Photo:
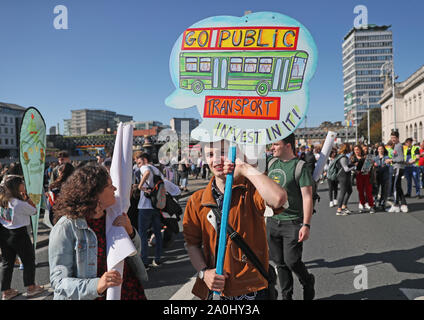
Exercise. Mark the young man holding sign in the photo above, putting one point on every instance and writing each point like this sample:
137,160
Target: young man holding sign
251,190
288,231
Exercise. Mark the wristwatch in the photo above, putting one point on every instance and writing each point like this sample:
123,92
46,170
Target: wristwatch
306,225
201,273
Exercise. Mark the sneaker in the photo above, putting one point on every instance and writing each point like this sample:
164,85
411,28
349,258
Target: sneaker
309,289
156,263
335,202
9,294
393,209
404,208
36,290
331,204
343,212
361,208
367,206
346,211
372,210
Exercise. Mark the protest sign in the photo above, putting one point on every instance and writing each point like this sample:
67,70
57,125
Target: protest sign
248,76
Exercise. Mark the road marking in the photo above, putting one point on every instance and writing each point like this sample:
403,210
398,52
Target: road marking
184,293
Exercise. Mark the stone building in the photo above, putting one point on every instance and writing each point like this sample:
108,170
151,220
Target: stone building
408,108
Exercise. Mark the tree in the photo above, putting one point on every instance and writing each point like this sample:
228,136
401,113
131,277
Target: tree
375,126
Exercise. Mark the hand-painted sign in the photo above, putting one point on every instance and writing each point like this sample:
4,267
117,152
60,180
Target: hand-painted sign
33,156
244,74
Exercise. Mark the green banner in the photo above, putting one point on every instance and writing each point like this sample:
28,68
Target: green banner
32,151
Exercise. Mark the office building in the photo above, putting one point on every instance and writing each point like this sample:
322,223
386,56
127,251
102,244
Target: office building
86,121
146,125
67,127
365,50
10,126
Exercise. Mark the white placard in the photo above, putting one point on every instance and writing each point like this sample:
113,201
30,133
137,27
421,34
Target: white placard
119,244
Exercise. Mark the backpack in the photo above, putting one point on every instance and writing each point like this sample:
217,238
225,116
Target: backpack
173,207
157,193
333,170
297,173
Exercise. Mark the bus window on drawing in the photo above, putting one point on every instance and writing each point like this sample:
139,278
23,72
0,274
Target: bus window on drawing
236,64
205,64
298,67
250,64
265,65
191,64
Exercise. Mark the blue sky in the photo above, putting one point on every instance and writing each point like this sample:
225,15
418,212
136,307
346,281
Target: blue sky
115,54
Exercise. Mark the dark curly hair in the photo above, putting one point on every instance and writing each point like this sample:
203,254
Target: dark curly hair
79,194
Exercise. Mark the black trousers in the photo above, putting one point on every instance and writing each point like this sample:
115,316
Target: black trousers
383,183
286,252
332,189
345,183
397,187
16,242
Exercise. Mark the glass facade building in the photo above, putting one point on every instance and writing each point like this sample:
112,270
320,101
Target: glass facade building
365,50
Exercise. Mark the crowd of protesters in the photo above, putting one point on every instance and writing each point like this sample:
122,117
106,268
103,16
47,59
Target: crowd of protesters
376,170
77,194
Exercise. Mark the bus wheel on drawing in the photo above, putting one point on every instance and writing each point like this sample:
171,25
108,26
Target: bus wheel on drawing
262,88
197,86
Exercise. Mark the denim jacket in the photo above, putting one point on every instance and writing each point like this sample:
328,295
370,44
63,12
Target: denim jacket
382,166
73,260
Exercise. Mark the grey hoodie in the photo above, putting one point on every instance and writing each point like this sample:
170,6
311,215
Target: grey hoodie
398,158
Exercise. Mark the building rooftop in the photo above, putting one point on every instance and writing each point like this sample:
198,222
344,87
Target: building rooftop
12,106
369,27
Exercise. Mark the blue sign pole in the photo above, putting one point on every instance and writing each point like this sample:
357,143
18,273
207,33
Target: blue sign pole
222,242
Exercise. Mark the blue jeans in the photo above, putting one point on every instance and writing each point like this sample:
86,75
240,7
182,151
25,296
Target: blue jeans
422,176
147,218
184,182
412,172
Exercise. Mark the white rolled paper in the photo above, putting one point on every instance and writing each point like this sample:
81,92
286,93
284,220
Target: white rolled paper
325,153
118,243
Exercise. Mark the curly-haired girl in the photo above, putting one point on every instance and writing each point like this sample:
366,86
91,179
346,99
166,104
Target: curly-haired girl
77,246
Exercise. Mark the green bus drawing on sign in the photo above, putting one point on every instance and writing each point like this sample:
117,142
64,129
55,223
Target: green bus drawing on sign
260,71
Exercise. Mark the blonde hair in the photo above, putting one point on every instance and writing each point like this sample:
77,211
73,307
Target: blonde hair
345,148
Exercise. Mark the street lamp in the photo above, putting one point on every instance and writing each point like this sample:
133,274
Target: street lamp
388,66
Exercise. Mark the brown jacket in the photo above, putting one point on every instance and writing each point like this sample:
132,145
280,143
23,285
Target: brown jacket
246,217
